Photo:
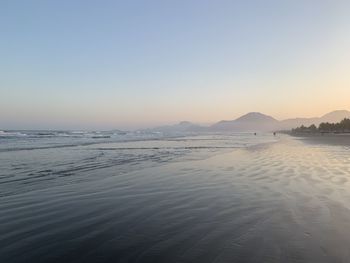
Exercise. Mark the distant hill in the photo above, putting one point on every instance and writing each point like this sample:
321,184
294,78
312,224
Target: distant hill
332,117
255,117
253,121
335,116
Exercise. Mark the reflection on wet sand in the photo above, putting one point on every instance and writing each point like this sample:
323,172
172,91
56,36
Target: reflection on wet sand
278,202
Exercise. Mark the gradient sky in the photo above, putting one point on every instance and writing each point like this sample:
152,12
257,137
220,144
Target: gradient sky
129,64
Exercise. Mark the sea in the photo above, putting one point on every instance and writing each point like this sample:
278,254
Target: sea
111,196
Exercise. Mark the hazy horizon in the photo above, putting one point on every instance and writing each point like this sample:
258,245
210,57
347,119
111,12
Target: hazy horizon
135,128
129,65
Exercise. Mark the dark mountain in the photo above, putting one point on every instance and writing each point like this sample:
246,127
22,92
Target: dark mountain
255,117
335,116
332,117
253,121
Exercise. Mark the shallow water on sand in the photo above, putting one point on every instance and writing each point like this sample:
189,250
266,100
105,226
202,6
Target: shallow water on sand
286,201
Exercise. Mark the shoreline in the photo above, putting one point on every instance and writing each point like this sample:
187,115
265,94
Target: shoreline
338,139
272,199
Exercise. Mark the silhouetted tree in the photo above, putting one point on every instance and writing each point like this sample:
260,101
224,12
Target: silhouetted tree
343,126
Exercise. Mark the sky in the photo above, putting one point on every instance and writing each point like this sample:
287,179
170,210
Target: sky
73,64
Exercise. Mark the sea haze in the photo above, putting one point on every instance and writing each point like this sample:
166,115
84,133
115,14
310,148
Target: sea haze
254,121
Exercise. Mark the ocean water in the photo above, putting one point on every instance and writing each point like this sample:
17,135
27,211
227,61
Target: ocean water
31,160
98,197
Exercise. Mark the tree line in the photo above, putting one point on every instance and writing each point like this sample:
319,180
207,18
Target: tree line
343,126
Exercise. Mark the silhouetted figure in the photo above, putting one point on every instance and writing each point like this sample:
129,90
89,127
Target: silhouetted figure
255,133
274,134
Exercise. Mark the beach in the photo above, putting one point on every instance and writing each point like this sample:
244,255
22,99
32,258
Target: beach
281,200
340,139
175,132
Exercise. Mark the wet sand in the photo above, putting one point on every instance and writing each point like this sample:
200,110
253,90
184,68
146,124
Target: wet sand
279,202
330,139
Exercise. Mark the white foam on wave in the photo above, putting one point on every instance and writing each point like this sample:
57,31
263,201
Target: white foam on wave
11,134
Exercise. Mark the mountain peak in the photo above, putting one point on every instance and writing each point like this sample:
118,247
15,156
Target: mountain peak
252,121
336,114
255,121
256,117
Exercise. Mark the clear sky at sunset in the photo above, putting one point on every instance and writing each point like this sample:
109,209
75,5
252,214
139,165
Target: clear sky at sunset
129,64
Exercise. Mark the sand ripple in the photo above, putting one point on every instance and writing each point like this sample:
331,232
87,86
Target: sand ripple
282,202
